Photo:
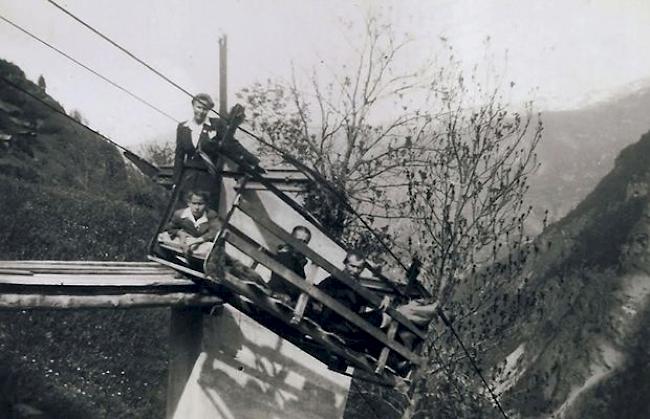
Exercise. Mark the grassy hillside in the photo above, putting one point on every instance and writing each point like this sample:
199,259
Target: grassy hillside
66,194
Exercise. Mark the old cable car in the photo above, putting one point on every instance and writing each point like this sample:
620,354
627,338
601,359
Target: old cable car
255,211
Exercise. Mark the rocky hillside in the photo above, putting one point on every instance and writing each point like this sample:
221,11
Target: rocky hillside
571,326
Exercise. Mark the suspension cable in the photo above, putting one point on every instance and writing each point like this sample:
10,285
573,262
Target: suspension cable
96,73
137,160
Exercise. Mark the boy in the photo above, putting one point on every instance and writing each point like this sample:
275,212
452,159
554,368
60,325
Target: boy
193,228
354,264
293,260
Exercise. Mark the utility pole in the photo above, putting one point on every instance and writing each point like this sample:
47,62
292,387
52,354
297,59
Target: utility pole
223,78
186,324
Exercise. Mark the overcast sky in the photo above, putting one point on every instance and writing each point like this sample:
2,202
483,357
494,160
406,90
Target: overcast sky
567,52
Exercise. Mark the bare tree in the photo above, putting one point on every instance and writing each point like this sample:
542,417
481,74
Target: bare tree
444,175
341,128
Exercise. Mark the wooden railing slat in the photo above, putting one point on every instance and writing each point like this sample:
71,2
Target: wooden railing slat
301,305
278,231
383,357
314,292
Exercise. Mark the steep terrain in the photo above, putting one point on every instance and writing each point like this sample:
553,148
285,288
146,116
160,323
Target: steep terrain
67,194
579,148
570,327
562,330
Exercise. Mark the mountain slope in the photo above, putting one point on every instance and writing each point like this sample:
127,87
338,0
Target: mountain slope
67,194
579,148
576,313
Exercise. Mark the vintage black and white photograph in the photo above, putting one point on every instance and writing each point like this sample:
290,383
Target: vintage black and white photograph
324,209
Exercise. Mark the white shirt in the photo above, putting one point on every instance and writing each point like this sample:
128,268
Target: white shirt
188,214
197,129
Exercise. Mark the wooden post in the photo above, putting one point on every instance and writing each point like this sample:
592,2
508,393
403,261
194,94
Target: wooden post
223,79
185,336
186,324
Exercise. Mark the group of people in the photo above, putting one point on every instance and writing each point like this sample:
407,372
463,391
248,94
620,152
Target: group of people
194,227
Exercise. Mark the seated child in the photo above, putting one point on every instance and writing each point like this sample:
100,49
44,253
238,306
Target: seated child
193,228
293,260
354,264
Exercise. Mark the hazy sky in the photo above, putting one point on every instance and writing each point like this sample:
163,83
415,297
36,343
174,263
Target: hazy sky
567,51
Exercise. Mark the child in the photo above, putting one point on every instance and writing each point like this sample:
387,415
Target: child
193,228
293,260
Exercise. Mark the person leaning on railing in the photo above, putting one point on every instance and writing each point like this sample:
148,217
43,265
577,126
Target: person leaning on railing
292,259
354,263
212,136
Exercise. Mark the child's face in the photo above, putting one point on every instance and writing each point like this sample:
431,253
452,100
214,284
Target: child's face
301,235
354,266
197,205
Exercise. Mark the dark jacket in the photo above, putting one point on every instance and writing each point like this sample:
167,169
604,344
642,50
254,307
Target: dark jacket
208,229
332,322
216,141
292,260
186,154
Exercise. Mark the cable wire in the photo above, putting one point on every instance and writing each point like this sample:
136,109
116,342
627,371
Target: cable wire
472,361
96,73
142,164
301,166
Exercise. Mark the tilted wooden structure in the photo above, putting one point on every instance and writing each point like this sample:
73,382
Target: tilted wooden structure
30,284
255,206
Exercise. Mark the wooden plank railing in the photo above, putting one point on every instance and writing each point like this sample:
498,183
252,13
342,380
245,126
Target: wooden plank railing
314,292
262,220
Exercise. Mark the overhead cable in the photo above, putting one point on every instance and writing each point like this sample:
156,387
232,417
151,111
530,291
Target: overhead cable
96,73
144,166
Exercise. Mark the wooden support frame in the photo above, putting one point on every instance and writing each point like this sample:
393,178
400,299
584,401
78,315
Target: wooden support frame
251,302
321,296
279,232
383,356
301,304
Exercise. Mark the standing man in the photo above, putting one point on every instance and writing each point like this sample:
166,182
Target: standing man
213,137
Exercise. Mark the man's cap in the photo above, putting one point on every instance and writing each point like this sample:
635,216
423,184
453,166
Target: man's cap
205,99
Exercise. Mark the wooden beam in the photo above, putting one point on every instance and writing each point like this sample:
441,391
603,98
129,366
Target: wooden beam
314,292
86,280
279,232
78,263
132,300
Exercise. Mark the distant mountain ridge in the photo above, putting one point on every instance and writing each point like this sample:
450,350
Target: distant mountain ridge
575,326
579,147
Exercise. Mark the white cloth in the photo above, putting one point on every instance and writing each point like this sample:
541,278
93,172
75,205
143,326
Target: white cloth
197,222
196,129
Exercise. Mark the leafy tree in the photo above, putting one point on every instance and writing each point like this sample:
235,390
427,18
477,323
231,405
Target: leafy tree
158,153
77,116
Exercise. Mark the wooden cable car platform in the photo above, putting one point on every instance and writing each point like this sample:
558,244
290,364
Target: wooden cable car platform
260,211
90,284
